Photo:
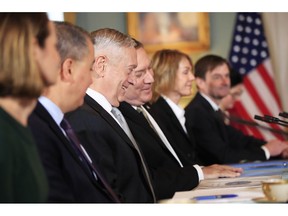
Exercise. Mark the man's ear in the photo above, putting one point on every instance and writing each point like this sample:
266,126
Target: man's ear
99,66
66,69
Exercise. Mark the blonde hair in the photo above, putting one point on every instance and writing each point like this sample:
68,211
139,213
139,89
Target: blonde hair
165,64
19,73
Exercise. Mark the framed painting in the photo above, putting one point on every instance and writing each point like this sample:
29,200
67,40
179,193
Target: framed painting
70,17
186,31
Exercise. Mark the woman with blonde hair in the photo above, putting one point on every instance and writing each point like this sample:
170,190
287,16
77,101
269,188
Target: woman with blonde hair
173,78
28,63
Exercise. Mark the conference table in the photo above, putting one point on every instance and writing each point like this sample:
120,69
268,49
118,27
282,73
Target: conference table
244,189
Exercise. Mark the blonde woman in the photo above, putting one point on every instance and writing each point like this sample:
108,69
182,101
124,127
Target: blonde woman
173,75
28,63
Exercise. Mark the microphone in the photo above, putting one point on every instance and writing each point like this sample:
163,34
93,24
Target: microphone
254,124
271,120
268,120
283,114
275,119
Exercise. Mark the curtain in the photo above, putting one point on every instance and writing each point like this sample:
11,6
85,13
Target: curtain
276,29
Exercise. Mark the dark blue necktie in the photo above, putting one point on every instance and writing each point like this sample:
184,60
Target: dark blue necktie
83,156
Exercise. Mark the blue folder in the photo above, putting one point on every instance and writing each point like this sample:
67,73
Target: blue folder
264,168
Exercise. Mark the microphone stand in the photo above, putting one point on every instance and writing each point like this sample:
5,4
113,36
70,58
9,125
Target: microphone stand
254,124
283,114
272,120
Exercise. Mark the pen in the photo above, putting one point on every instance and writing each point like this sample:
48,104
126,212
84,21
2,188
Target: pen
214,197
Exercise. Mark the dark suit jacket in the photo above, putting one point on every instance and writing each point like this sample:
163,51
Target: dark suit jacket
217,142
113,150
69,180
182,142
167,175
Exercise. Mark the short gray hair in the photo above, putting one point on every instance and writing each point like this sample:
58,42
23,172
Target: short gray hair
106,37
72,41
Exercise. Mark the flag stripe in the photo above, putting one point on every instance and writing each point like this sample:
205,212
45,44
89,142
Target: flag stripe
247,112
269,83
256,97
266,98
260,101
245,115
264,93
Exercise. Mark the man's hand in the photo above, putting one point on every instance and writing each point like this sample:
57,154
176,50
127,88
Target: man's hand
276,147
216,171
285,153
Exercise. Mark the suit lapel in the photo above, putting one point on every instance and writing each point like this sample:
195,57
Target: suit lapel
137,118
99,109
46,117
171,115
214,115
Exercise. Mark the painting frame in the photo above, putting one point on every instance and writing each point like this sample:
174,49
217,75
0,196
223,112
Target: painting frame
200,43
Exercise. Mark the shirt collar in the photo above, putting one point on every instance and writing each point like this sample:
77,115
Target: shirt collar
55,112
99,98
179,111
212,103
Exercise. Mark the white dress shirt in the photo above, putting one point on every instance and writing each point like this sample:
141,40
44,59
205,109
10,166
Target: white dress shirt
178,111
102,101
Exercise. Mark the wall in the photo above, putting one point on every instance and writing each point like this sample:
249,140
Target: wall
93,21
221,27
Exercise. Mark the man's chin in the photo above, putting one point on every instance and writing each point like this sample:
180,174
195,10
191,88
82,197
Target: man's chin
121,97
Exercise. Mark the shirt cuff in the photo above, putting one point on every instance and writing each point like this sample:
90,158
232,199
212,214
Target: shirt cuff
267,153
199,171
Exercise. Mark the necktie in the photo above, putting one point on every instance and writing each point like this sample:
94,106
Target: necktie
220,115
118,115
83,156
153,124
141,110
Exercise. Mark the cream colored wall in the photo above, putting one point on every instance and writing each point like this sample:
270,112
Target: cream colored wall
221,27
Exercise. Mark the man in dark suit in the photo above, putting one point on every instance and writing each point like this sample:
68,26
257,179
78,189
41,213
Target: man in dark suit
217,142
169,173
70,178
115,60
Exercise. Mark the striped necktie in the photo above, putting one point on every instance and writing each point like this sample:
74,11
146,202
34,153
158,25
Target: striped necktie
118,115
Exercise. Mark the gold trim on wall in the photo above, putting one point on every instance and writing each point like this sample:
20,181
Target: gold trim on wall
70,17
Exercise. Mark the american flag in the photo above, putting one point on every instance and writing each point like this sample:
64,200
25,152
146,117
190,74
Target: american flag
249,56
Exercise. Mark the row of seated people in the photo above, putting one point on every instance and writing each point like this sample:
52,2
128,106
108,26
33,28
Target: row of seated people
96,138
137,168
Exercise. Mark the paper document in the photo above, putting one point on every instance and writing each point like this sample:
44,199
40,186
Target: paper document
245,182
